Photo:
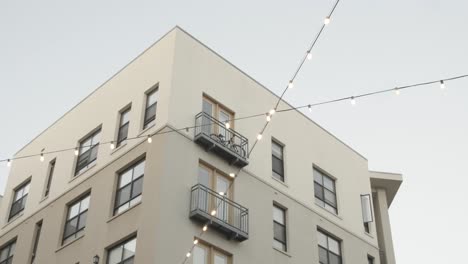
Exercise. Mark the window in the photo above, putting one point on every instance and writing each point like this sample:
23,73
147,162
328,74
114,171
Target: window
123,253
88,151
325,192
150,109
6,253
206,254
370,259
76,219
329,249
277,160
129,187
19,200
37,235
220,183
124,123
50,174
219,112
366,211
279,228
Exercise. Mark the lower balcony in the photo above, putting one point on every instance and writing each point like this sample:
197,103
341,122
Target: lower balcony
231,218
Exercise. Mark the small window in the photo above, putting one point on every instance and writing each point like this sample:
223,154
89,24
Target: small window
124,123
123,253
150,109
207,254
279,228
325,191
129,187
19,200
37,236
367,216
50,174
370,259
329,249
277,160
6,253
88,152
76,219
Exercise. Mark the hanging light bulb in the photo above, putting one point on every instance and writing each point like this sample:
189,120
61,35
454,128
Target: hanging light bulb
9,163
268,118
112,146
259,136
310,108
150,139
442,85
188,254
228,125
309,55
76,152
290,84
232,175
397,91
272,111
213,212
326,21
353,100
205,227
195,241
221,193
42,157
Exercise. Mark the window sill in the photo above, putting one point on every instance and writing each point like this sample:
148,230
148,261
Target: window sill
332,213
369,235
83,172
69,243
128,209
44,198
150,126
13,219
282,252
282,182
122,145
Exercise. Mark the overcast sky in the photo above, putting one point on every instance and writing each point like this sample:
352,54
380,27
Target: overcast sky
54,53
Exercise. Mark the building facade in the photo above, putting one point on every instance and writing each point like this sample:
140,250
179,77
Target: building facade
175,166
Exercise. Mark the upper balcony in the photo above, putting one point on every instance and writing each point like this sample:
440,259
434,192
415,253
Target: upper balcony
228,217
227,143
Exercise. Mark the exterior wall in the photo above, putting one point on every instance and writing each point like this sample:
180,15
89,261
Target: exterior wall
185,70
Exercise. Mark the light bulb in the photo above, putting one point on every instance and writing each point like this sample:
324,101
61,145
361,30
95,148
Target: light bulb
195,241
442,85
9,163
150,139
310,108
213,212
290,84
228,125
112,146
221,193
188,254
42,157
232,175
326,21
397,91
353,101
259,136
76,152
268,118
309,55
205,227
272,112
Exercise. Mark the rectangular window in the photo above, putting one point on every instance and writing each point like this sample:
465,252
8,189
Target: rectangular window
124,123
6,253
88,151
19,200
279,228
50,174
206,254
325,191
367,216
123,253
217,111
277,160
129,187
370,259
329,249
37,236
150,109
76,219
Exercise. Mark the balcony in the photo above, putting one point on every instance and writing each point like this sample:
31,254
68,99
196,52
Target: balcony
227,143
231,218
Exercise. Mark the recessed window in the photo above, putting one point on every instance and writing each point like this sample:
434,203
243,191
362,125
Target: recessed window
329,249
76,219
88,151
325,191
124,123
123,253
367,216
19,200
129,187
50,174
219,113
279,228
207,254
277,160
370,259
150,109
37,236
6,253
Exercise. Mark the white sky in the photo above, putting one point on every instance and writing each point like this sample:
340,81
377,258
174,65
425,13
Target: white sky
52,54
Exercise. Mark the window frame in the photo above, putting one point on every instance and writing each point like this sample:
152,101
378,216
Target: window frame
327,249
93,146
125,111
8,245
149,120
78,231
284,226
280,177
370,259
50,175
131,167
212,250
37,237
122,244
323,189
20,187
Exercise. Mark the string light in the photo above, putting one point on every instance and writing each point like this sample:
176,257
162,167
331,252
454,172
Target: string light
213,212
353,101
76,152
9,163
310,108
397,91
290,84
326,21
259,136
309,55
205,227
112,146
228,125
150,139
42,157
442,85
195,241
232,175
188,254
221,193
272,112
268,118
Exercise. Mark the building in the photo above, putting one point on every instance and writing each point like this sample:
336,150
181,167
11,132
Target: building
300,196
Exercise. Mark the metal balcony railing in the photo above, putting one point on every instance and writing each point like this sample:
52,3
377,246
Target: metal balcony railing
230,218
214,136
